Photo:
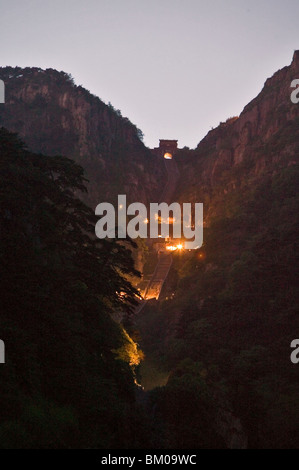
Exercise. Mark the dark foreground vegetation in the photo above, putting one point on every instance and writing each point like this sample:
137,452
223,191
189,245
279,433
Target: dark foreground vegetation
68,379
224,338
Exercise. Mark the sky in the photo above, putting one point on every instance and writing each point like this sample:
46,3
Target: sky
175,68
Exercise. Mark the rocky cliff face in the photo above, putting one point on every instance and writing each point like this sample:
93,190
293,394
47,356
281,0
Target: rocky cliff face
263,139
55,117
235,302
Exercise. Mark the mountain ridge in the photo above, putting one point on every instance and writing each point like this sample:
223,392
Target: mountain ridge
56,117
262,139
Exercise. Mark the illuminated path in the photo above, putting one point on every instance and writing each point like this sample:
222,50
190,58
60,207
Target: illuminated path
155,285
162,269
173,175
151,374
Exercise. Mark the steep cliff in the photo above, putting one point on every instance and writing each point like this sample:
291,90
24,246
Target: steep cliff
225,331
56,117
230,313
262,140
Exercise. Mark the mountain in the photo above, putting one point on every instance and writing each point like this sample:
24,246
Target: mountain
262,140
56,117
219,338
223,333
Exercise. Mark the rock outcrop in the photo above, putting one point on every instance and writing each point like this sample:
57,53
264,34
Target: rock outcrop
56,117
263,139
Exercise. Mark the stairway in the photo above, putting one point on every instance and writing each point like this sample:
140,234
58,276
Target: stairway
155,285
163,266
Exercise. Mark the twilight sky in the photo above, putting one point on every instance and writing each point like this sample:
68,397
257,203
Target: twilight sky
176,68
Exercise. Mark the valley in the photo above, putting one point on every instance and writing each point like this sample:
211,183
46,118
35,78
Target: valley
202,358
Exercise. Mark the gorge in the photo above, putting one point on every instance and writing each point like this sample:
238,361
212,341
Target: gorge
216,333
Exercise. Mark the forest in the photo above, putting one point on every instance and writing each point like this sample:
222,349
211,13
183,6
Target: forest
68,380
223,339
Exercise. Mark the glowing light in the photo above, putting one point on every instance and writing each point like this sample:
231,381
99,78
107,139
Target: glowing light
146,221
121,206
171,248
174,247
168,156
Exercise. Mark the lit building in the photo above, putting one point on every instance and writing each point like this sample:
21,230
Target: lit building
166,149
